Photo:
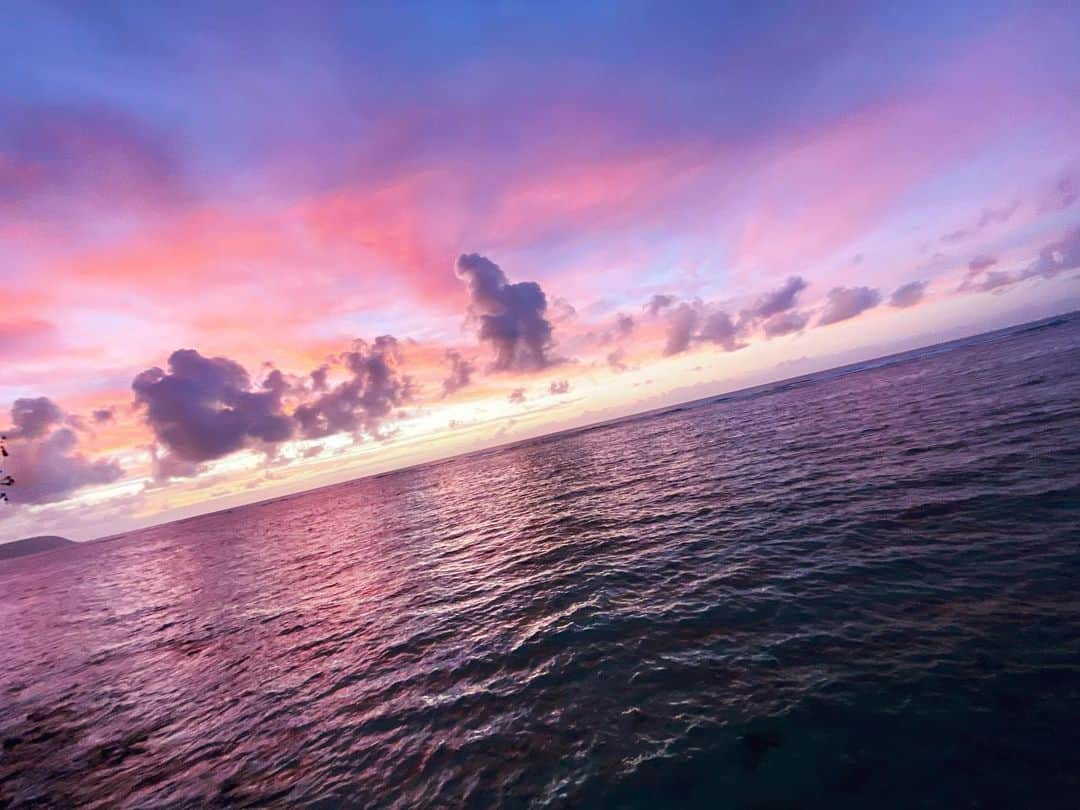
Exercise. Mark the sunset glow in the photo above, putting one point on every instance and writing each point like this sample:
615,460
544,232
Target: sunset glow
255,250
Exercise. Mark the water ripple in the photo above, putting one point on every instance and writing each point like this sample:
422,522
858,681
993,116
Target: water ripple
850,589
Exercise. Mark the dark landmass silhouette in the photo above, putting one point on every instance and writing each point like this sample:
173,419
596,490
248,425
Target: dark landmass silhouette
33,545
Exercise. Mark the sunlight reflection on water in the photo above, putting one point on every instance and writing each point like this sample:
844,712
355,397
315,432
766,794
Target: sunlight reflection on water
856,588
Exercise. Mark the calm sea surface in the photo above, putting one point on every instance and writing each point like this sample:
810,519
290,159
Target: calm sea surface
857,589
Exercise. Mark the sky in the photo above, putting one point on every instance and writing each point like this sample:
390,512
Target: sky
248,249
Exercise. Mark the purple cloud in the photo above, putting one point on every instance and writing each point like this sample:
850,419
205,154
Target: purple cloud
779,300
616,360
33,417
720,329
908,295
44,461
624,326
203,408
511,316
460,372
658,303
784,323
102,415
1057,257
1053,259
694,321
682,321
362,402
846,302
985,282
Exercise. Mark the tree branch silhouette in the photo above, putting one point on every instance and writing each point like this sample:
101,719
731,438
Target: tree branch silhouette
5,480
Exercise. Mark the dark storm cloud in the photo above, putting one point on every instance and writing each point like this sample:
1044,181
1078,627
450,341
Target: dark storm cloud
460,372
33,417
847,302
203,408
511,317
44,461
784,323
517,396
362,402
779,300
559,387
908,295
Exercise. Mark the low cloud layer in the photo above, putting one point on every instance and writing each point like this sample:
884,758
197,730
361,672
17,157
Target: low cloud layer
203,408
460,373
511,317
697,321
784,323
846,302
1060,256
1057,257
33,416
908,295
359,404
45,460
623,326
779,300
616,360
658,303
720,329
690,322
775,310
682,321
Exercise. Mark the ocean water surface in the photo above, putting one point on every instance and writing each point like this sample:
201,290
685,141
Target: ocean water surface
860,588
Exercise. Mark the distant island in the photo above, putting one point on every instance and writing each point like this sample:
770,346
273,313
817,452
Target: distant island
33,545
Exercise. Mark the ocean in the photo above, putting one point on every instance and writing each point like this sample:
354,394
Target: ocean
857,588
